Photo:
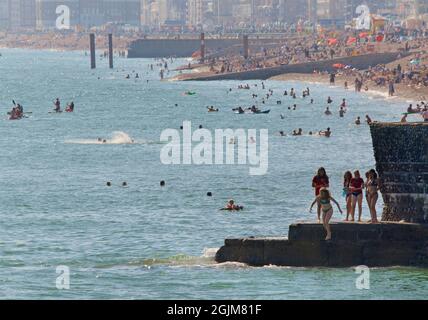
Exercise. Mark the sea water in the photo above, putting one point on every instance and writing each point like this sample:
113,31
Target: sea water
148,242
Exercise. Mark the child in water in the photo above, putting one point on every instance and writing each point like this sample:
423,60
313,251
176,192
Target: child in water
231,206
324,199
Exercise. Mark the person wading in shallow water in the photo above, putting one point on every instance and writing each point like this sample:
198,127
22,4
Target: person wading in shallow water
320,181
324,200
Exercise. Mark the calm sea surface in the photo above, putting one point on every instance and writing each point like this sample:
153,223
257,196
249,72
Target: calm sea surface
148,242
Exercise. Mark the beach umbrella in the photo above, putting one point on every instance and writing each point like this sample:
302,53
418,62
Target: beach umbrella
379,38
332,41
351,40
363,35
339,65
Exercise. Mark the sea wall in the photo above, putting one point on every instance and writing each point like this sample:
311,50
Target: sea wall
157,48
373,245
361,62
183,48
401,153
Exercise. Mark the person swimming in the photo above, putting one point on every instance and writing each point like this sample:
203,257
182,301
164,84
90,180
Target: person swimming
231,206
57,105
326,133
329,100
341,112
327,112
358,121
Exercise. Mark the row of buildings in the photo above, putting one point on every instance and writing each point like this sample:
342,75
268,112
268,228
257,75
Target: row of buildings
197,14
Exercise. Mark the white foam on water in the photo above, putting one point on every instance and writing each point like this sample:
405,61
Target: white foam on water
117,137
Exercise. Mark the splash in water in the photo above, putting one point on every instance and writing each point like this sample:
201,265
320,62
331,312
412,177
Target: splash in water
118,137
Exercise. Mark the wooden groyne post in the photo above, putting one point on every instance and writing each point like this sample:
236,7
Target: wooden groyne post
246,47
202,47
110,50
92,49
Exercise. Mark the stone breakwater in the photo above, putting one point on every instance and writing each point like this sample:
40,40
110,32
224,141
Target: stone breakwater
401,153
361,62
373,245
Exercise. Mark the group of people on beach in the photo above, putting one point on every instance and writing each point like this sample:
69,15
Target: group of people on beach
353,188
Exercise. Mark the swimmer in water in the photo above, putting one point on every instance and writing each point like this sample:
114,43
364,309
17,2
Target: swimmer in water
282,134
326,133
343,105
329,101
298,133
231,206
368,119
342,112
358,121
327,112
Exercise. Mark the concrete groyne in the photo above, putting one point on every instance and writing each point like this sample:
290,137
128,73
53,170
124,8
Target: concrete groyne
373,245
361,62
401,153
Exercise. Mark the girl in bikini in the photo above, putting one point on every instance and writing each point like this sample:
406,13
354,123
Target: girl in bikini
372,194
347,193
357,186
324,201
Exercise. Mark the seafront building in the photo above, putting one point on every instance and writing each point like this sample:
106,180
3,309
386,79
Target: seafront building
196,15
42,14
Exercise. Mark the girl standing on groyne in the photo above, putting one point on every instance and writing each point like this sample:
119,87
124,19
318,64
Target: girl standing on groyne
324,201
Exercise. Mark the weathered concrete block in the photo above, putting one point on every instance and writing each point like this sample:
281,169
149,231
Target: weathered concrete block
385,244
401,153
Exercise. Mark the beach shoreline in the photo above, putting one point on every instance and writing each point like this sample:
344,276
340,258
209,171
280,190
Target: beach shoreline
403,93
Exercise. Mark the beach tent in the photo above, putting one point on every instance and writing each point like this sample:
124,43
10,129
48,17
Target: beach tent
351,40
415,62
332,41
378,22
379,37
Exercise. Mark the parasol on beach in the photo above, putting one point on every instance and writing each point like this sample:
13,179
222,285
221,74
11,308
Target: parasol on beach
363,35
351,40
332,41
339,66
